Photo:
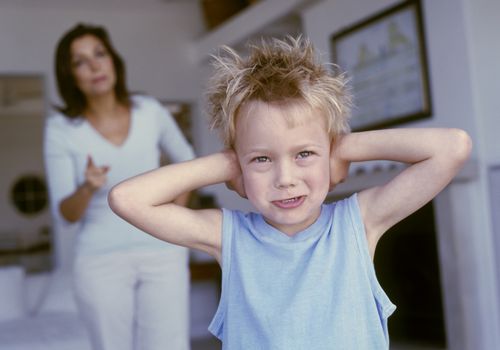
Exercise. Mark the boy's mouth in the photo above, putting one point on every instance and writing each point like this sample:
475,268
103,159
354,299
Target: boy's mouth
289,203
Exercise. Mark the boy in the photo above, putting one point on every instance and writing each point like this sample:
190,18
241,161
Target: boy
297,274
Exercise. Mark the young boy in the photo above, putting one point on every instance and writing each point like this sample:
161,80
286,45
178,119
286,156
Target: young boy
297,274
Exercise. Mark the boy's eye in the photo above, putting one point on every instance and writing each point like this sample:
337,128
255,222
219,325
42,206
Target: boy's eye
304,154
261,159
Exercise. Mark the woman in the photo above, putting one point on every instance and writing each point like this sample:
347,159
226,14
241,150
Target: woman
128,285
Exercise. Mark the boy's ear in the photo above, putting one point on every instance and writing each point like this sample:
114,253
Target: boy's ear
339,168
236,183
333,144
238,186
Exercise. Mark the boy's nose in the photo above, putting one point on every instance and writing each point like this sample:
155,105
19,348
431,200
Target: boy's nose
285,175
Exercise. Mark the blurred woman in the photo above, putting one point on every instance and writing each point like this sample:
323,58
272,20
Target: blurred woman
132,290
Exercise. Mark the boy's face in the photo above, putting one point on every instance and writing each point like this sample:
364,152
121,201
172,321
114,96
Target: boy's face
285,166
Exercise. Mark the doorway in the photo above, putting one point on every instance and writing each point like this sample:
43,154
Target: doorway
407,267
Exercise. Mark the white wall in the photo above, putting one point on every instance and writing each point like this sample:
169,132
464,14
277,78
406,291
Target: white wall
462,76
463,55
482,21
152,41
465,80
154,44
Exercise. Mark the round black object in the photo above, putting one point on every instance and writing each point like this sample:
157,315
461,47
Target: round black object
29,194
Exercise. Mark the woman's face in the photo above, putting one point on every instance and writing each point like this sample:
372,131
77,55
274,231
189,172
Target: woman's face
92,67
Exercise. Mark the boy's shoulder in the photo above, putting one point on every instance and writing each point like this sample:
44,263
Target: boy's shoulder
342,203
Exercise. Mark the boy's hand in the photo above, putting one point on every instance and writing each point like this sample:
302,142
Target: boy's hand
339,168
236,182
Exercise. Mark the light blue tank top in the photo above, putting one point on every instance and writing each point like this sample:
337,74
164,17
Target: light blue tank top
316,290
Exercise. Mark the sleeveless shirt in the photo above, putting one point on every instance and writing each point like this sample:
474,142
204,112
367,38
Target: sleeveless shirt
314,290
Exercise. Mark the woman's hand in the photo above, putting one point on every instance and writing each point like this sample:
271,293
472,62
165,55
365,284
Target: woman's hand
236,182
339,168
95,177
73,207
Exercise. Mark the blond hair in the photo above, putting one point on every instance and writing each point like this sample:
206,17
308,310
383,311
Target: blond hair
277,71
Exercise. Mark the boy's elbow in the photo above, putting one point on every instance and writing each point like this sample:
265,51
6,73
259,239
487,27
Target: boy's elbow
117,199
462,145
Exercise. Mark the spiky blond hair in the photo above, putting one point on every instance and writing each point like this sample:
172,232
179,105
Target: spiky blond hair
276,72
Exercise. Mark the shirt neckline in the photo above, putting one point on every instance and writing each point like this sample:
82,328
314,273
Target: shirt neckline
105,140
269,233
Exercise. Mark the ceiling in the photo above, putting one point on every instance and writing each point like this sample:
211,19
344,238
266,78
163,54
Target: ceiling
86,4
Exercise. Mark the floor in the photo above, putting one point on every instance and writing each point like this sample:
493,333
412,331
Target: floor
214,344
414,347
206,344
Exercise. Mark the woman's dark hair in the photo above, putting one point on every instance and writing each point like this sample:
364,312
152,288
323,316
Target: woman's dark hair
68,90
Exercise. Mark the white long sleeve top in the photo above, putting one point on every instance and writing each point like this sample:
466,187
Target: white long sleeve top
67,143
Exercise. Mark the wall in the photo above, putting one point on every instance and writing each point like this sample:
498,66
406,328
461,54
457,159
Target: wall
464,83
462,97
20,155
481,18
152,40
154,43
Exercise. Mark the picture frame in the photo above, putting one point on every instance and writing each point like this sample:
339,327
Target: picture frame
385,59
494,189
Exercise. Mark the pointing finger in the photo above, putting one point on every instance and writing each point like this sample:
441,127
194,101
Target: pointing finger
90,161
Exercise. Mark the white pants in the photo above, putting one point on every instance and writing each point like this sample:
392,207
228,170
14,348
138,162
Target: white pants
134,300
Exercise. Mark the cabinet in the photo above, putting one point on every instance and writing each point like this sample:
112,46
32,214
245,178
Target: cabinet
264,18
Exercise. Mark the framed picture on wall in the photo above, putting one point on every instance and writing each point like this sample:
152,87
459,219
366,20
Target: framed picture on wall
385,57
494,189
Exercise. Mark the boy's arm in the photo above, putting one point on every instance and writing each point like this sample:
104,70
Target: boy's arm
147,201
435,155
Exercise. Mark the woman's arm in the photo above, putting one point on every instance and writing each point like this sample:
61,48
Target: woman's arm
435,155
74,206
147,201
68,200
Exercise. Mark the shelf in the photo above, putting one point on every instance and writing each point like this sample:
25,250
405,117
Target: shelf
376,173
258,18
